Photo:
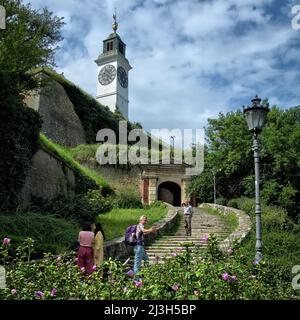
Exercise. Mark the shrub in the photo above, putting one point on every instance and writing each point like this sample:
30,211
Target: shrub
155,204
221,201
98,202
50,233
217,277
233,203
287,199
79,208
127,199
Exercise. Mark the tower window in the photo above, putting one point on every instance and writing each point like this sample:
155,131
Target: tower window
121,48
109,46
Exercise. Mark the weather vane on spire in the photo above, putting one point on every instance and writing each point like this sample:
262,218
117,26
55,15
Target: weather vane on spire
115,24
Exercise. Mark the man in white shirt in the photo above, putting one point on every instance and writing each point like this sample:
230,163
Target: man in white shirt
188,213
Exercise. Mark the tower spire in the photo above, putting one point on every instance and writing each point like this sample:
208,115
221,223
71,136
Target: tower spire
115,24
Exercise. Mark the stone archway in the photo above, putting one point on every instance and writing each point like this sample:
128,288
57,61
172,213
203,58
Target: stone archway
170,192
168,183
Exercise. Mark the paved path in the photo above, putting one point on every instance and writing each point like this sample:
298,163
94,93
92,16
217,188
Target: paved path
202,224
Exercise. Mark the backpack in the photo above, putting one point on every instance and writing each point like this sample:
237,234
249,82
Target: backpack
130,235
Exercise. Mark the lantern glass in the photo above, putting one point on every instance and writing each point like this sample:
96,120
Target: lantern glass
256,118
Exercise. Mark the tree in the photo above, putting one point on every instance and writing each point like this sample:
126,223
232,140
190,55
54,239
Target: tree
28,42
229,151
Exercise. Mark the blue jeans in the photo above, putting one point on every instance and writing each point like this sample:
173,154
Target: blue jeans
139,255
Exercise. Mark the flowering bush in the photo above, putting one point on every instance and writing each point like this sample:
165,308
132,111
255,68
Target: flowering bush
184,275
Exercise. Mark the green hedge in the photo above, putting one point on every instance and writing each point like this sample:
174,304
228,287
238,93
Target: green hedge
51,234
281,237
19,140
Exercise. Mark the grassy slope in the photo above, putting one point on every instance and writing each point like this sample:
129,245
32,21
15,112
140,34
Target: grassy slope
116,221
66,155
281,238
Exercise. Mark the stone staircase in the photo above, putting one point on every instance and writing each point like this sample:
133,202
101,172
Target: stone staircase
203,224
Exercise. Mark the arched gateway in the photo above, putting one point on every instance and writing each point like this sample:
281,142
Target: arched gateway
169,192
168,183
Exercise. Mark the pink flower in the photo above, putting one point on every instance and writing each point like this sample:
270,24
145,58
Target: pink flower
82,269
94,267
53,292
229,251
205,237
58,258
232,278
130,273
6,241
175,287
225,276
138,283
39,294
76,259
13,291
173,254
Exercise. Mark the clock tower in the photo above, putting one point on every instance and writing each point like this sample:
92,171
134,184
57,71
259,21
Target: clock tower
113,68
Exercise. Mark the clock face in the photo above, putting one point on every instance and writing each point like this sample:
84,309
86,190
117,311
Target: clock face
122,77
107,74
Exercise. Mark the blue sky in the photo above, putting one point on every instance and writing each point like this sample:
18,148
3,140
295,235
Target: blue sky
191,59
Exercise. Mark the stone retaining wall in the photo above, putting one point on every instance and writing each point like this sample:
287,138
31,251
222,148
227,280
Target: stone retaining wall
47,177
243,228
119,250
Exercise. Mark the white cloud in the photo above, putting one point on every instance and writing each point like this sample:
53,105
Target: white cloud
191,59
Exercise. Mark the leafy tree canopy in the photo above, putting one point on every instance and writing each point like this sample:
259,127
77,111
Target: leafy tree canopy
230,157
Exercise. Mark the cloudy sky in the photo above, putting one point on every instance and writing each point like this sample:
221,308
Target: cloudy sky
191,59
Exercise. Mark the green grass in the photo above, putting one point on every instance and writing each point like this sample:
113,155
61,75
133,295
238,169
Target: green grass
84,152
67,155
230,220
115,222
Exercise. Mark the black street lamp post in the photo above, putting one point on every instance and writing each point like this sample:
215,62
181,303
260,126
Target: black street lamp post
256,117
215,193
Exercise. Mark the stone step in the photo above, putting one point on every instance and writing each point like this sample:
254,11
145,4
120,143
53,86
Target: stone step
172,247
202,224
205,229
176,242
153,252
186,238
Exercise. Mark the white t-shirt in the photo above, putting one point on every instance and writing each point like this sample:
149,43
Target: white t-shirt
140,228
188,210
